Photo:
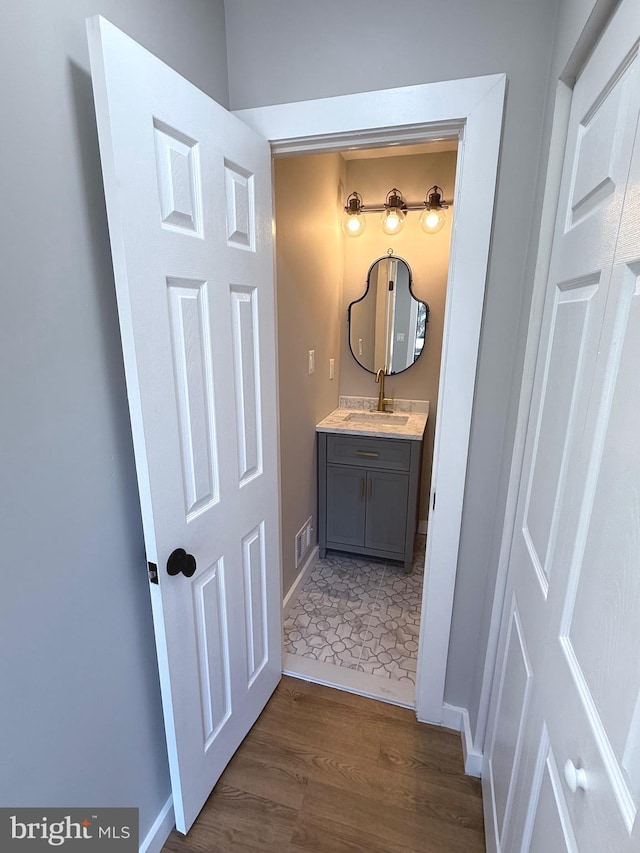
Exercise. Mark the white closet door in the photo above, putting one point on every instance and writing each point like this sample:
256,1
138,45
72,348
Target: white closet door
528,805
590,686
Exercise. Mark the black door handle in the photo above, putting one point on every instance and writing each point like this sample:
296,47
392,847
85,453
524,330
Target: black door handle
180,561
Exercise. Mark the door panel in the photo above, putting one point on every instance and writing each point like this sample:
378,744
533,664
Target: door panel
601,162
571,326
246,369
191,348
593,653
241,207
209,604
548,825
607,581
256,603
513,705
179,180
188,190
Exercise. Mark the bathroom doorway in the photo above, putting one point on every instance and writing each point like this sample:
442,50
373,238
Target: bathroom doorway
349,620
471,111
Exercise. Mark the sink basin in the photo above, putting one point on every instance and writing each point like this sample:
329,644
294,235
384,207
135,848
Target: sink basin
378,418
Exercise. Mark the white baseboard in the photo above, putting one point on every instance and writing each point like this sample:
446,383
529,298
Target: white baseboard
299,582
458,719
452,717
422,527
154,840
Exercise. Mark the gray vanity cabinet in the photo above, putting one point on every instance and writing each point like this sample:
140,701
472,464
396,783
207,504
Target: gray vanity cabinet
368,495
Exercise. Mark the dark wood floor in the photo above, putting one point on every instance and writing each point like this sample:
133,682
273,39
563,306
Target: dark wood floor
329,772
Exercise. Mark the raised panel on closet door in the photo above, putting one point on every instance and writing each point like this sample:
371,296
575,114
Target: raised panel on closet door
513,709
547,825
593,660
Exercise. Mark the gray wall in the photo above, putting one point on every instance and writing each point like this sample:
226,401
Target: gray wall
80,711
286,50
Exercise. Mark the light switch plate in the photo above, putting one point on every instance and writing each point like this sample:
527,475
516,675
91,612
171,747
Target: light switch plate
312,361
332,368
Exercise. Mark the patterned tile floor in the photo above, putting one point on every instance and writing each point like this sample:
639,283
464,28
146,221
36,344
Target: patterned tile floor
360,613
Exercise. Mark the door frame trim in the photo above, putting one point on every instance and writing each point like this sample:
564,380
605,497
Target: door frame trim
472,110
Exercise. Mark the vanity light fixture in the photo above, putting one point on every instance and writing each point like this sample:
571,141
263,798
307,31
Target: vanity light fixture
433,217
394,212
353,221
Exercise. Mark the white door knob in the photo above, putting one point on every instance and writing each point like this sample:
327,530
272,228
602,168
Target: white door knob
575,777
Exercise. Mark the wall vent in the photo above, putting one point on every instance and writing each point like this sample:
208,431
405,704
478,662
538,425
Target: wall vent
303,541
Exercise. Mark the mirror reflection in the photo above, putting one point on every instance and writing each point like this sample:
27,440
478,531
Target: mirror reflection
387,325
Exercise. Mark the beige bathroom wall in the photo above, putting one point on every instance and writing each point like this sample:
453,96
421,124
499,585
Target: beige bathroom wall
428,258
309,260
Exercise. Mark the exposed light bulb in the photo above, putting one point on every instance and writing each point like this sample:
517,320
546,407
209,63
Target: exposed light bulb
393,216
354,224
392,221
353,221
433,217
432,220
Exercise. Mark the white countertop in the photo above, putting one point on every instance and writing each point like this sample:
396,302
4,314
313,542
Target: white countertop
346,421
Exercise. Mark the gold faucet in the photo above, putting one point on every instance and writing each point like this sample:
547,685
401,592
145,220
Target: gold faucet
382,400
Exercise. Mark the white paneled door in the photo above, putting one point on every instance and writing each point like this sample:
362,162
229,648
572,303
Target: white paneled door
563,768
188,189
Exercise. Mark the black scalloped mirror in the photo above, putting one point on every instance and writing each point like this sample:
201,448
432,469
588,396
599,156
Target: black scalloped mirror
388,325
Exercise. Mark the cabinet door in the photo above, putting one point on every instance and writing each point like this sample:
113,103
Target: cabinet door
386,524
346,489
